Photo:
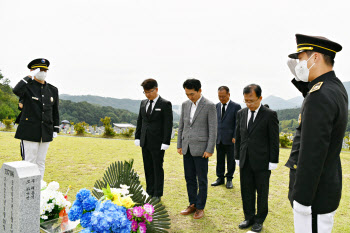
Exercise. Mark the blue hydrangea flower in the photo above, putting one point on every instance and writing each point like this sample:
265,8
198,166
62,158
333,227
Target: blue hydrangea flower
90,203
83,194
85,220
75,212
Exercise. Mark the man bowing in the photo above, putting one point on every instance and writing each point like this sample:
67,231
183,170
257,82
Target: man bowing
256,153
153,134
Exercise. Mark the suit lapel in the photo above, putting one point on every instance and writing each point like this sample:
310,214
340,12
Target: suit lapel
218,110
199,108
143,108
258,118
245,119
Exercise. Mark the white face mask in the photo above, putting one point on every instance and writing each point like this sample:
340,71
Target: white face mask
41,75
302,71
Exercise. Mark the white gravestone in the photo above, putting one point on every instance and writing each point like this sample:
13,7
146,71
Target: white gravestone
19,197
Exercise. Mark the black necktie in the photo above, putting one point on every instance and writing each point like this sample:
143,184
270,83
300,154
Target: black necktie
223,110
251,120
149,110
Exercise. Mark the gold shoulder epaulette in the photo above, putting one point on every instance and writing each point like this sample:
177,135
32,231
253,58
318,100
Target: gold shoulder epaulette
316,87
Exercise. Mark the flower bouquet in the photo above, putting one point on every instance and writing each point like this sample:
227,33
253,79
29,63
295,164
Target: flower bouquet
119,204
52,202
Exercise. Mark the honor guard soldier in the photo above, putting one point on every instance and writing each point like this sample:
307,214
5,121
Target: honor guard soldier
39,121
315,169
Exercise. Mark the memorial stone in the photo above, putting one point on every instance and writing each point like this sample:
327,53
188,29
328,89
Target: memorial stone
19,197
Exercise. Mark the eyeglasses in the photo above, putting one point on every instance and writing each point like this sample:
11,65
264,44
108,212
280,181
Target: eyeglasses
250,102
149,92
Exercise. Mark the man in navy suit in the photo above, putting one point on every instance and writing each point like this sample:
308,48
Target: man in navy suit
226,115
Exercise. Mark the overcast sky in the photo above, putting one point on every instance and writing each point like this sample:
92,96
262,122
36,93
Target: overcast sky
108,48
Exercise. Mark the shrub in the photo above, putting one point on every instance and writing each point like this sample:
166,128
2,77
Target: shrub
128,132
80,128
285,141
109,132
8,123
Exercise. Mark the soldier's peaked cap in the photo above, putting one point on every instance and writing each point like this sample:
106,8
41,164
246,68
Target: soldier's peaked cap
317,44
39,63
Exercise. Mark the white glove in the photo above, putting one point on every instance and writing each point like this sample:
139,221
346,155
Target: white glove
292,63
301,209
34,72
272,166
137,142
54,134
164,147
237,163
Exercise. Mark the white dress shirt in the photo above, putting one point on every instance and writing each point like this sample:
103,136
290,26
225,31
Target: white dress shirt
153,104
194,108
250,114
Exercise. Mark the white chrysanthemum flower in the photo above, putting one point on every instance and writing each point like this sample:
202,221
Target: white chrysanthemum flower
43,184
44,217
54,186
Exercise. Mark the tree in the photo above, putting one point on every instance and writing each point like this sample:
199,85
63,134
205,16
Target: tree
8,100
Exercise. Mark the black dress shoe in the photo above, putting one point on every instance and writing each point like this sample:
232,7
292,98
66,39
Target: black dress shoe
245,224
257,227
219,181
229,184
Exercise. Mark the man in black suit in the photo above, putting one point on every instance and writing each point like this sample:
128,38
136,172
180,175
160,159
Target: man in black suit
153,134
226,114
315,178
256,153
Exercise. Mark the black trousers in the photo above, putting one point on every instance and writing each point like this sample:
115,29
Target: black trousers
225,151
154,172
252,182
196,176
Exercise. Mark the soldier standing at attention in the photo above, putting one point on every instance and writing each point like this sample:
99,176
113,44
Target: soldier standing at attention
39,121
315,169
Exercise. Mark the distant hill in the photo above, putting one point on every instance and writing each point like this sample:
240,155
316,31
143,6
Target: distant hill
277,103
127,104
91,114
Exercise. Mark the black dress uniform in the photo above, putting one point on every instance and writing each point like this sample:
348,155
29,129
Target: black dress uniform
317,145
315,166
40,116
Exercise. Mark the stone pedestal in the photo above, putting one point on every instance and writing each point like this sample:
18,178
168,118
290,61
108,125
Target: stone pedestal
19,197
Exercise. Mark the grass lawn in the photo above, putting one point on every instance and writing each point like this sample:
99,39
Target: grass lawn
81,161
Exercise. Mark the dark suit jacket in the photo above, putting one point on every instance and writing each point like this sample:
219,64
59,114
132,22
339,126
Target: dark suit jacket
227,123
261,143
155,130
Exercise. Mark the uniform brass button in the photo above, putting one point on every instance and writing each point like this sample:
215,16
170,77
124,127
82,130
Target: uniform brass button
26,119
295,166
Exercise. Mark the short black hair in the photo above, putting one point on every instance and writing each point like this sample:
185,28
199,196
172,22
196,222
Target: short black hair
252,87
192,84
149,84
224,88
327,59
